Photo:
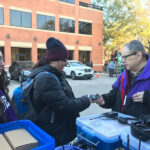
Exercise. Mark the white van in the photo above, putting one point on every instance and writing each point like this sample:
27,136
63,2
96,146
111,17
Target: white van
76,69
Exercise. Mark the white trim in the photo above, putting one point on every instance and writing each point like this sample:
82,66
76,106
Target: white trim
39,30
20,9
84,35
2,6
98,64
66,17
21,44
41,45
66,3
2,43
85,48
84,20
70,47
66,33
43,13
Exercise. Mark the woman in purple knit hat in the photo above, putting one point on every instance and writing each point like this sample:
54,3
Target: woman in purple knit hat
53,98
6,112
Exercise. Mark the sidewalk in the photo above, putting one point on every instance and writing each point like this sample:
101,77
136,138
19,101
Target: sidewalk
102,74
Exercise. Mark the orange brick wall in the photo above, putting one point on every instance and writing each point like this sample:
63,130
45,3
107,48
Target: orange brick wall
59,9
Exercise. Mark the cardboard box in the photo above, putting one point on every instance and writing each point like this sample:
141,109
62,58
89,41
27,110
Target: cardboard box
20,139
4,144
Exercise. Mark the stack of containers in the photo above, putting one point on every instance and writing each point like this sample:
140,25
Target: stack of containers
132,143
45,141
102,133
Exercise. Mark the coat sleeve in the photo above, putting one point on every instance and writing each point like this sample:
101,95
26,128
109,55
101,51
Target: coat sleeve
47,92
113,95
109,98
146,98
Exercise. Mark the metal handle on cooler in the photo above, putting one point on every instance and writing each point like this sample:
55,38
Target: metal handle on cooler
82,137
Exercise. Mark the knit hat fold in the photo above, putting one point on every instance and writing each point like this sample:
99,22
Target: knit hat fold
55,50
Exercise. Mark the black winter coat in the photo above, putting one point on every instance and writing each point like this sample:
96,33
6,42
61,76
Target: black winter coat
56,105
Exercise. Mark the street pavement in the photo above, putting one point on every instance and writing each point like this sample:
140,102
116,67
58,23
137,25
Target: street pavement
100,85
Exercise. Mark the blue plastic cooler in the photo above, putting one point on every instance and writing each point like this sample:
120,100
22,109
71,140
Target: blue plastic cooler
102,133
45,141
67,147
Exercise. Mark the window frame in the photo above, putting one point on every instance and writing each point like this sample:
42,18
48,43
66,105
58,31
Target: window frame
67,22
2,16
85,23
45,17
22,16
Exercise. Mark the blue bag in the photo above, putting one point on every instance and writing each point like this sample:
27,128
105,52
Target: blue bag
22,99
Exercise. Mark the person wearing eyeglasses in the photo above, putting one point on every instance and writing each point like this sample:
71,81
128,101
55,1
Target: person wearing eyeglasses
131,91
7,114
52,98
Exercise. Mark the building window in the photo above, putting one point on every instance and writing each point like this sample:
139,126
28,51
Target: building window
21,54
20,19
41,53
85,28
66,25
71,54
1,16
84,56
46,22
68,1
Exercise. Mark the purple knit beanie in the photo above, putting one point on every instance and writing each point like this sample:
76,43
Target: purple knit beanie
55,50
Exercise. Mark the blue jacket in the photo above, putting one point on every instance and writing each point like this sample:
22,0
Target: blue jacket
111,65
114,99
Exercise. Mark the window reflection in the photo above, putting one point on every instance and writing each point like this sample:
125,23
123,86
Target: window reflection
45,22
66,25
20,19
26,20
1,16
85,28
68,1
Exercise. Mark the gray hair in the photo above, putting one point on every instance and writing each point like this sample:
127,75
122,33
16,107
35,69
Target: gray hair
135,46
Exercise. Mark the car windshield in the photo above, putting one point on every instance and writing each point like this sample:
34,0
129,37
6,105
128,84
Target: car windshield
26,64
76,64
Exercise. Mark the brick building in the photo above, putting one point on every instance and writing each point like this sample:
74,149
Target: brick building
25,26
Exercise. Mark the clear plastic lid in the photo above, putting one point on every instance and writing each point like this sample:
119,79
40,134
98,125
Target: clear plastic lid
105,129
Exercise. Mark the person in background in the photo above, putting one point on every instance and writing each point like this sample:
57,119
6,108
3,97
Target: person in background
105,66
111,68
56,104
131,91
6,112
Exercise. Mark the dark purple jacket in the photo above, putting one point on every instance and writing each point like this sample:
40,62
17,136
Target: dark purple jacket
142,83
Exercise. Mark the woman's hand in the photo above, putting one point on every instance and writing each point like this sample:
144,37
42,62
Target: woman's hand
138,97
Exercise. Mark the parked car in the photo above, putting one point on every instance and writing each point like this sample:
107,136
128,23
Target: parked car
20,70
76,69
8,75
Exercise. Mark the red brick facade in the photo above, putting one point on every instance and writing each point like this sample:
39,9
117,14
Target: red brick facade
10,34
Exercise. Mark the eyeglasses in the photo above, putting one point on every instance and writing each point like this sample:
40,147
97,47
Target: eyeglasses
125,57
64,60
